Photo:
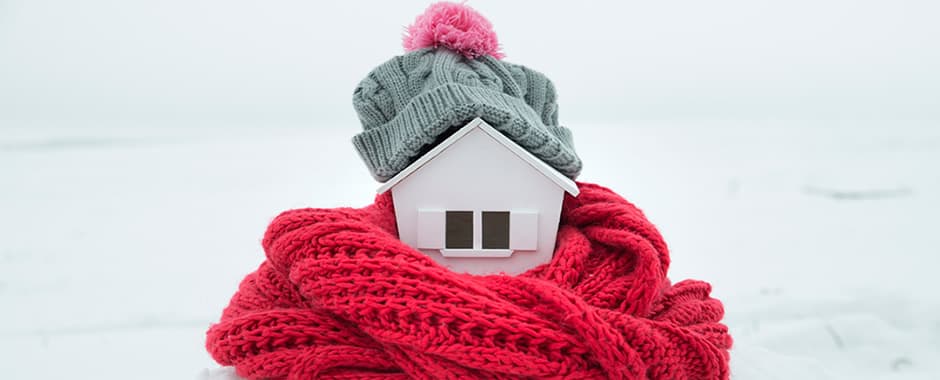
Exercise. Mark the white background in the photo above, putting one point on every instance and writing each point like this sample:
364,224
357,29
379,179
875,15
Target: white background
297,62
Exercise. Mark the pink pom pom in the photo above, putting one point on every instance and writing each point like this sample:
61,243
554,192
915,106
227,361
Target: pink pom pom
456,27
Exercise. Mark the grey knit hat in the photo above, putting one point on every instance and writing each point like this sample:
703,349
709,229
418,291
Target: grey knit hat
413,101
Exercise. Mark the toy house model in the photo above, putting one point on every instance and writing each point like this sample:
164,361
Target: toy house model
479,203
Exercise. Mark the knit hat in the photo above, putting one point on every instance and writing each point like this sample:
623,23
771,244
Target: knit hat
451,74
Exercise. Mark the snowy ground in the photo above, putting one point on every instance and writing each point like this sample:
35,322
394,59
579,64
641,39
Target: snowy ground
120,246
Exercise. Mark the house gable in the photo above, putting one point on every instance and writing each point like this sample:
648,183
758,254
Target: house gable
543,168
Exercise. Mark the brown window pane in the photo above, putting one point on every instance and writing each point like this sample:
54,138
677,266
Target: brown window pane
495,230
459,230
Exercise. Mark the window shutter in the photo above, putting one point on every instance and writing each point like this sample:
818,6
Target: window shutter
523,230
430,229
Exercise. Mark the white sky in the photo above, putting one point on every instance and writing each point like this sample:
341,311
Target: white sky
297,62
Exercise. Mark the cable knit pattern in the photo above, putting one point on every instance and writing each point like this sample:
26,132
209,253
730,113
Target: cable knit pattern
414,100
340,297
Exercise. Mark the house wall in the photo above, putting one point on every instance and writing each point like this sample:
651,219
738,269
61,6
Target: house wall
479,174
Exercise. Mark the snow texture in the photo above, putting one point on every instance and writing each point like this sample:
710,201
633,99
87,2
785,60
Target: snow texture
120,246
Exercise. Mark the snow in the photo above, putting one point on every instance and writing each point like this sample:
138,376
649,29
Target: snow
121,245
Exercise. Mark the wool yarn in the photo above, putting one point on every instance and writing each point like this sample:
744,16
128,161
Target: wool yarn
451,74
454,26
340,297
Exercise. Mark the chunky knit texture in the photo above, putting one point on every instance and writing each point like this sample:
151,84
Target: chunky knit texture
414,100
410,102
340,297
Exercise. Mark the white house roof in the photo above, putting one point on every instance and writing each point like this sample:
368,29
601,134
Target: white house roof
549,172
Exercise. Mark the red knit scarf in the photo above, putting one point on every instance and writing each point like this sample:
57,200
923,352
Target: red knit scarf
340,297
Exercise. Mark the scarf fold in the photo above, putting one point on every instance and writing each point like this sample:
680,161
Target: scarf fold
340,297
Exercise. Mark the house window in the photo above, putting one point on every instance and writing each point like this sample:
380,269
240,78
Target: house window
495,230
459,230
